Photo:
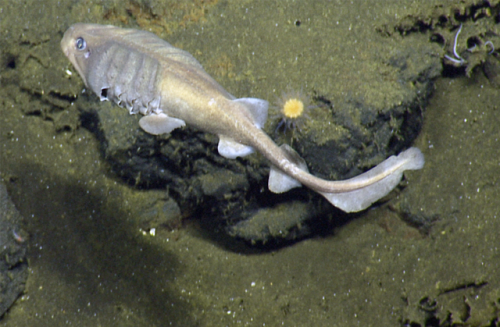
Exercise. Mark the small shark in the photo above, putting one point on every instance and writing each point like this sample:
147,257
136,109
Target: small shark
145,74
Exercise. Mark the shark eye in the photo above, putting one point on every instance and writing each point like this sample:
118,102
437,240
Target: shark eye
80,43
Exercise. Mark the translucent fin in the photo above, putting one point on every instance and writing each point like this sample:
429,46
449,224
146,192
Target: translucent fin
229,148
160,123
279,182
257,108
362,198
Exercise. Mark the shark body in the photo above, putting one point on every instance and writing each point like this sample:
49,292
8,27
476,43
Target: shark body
169,87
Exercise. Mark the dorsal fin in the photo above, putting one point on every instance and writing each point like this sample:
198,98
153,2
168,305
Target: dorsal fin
257,108
279,182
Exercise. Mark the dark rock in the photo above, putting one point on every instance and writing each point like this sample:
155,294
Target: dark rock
283,221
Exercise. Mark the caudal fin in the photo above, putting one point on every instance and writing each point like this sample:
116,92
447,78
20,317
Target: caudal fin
362,198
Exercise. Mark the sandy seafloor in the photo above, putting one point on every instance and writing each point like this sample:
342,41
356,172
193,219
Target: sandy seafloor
91,265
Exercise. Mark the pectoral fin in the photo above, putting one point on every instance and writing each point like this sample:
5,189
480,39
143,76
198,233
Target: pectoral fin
160,123
279,182
231,149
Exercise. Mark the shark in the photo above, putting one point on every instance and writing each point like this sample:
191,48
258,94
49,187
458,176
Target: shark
146,75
